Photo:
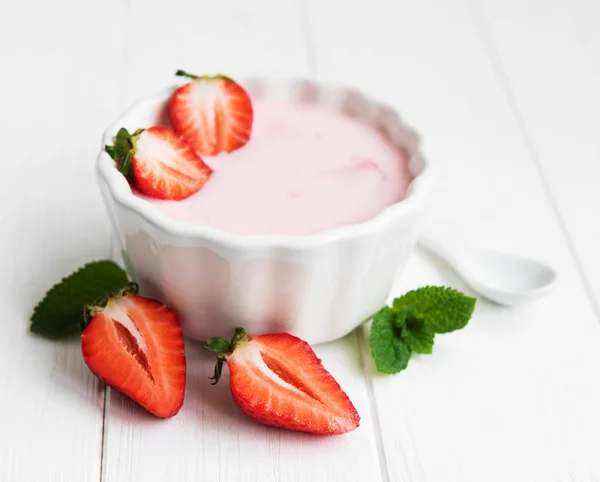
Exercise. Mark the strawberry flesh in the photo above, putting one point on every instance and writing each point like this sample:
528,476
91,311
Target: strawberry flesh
278,380
135,345
213,114
166,167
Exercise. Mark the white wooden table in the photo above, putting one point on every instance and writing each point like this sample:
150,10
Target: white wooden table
506,95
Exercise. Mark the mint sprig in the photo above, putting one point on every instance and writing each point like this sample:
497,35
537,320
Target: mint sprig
60,313
412,322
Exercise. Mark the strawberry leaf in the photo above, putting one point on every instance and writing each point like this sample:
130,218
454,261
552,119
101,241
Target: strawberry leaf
123,149
225,348
121,145
125,167
60,312
218,345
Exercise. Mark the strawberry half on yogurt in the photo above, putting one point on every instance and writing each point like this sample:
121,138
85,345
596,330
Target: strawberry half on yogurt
159,163
213,113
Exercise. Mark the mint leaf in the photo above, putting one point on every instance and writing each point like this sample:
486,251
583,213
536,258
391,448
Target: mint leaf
406,313
417,336
60,312
443,309
390,352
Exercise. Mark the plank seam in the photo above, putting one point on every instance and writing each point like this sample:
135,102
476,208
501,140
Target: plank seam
365,362
306,33
113,246
104,439
113,254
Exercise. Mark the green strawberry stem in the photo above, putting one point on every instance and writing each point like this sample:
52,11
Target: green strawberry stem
225,348
123,150
183,73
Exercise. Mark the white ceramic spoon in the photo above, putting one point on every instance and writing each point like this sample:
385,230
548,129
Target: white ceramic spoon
507,279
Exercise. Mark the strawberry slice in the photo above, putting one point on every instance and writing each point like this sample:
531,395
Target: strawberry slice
213,113
160,162
135,345
278,380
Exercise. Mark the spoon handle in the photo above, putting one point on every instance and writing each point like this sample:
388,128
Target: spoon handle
444,248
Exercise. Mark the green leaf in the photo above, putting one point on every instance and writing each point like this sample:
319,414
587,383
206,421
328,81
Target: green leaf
405,314
218,345
126,165
443,309
59,313
390,352
225,348
417,336
123,150
121,146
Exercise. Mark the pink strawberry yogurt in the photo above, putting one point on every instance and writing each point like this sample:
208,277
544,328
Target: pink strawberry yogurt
305,169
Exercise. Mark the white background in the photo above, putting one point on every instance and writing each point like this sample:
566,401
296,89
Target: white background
506,95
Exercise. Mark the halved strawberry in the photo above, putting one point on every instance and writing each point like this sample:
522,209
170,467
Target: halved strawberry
135,345
213,113
279,380
164,165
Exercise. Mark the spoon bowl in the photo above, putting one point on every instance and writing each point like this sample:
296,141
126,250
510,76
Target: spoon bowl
504,278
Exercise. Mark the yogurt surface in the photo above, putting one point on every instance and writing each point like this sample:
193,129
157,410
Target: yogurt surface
305,169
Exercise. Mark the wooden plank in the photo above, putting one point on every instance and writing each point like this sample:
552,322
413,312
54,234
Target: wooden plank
513,397
552,67
240,38
58,91
210,440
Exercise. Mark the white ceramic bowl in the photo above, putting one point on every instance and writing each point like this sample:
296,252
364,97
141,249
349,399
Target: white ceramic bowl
318,287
